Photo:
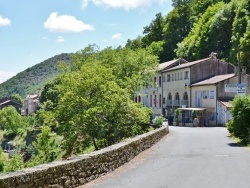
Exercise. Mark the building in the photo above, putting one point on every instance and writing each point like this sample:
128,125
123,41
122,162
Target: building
196,89
4,102
31,104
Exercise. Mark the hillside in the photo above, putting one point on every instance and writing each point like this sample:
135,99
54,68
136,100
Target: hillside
195,28
33,79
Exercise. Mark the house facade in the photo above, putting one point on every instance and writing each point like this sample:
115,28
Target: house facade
31,104
197,86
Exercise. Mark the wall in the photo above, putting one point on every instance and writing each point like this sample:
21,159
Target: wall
84,168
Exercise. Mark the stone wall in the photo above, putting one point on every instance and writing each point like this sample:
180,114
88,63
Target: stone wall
84,168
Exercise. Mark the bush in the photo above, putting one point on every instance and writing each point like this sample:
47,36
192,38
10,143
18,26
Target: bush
239,126
159,121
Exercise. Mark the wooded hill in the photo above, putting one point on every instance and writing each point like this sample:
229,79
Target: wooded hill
33,79
192,30
195,28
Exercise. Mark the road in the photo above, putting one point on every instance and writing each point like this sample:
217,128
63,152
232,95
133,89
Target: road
185,158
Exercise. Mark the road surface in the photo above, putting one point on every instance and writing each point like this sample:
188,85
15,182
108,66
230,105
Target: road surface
185,158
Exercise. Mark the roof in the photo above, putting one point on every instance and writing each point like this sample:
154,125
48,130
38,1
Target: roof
2,100
33,96
9,102
214,80
167,64
185,65
226,104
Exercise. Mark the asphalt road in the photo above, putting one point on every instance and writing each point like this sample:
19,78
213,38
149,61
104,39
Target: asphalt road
185,158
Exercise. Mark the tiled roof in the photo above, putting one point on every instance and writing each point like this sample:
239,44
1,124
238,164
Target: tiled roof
226,104
185,65
214,80
2,100
164,65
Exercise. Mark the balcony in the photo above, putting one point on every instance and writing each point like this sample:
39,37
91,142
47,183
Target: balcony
176,102
184,102
168,103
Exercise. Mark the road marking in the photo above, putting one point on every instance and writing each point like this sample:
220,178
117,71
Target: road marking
221,156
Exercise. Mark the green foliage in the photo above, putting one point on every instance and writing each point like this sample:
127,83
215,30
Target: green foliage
159,121
12,121
2,160
17,98
239,27
195,45
95,104
15,163
46,146
33,79
239,126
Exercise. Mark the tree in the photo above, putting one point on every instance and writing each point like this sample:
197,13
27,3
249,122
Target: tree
46,146
93,108
239,126
15,163
11,120
195,45
154,32
17,98
239,27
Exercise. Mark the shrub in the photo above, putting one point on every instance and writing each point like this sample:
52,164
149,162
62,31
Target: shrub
239,126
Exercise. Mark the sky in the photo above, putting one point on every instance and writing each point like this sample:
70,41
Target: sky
32,31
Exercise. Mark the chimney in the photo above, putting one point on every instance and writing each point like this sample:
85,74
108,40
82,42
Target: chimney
213,55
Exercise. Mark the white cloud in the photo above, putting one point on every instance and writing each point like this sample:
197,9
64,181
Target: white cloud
60,39
85,3
128,4
6,75
4,21
65,23
116,36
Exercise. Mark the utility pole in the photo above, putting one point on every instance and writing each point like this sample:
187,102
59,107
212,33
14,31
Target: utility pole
239,76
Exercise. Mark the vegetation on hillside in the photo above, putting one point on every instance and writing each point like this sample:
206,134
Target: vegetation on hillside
33,79
195,28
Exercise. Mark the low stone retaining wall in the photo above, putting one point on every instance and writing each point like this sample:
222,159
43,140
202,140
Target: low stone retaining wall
84,168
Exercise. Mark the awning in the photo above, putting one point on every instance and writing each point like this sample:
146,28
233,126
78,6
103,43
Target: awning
193,109
198,109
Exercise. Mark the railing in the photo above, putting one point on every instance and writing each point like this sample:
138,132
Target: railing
184,102
169,103
176,102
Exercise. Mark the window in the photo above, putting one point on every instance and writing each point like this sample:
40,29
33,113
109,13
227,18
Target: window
181,75
139,98
164,100
168,78
160,101
159,81
211,94
163,79
155,101
175,76
186,75
205,94
177,99
172,77
150,101
178,76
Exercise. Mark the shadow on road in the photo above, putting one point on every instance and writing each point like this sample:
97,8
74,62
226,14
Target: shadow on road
234,145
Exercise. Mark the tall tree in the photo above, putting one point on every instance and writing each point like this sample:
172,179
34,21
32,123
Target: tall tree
153,32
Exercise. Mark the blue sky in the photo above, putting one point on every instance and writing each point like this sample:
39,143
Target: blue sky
32,31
